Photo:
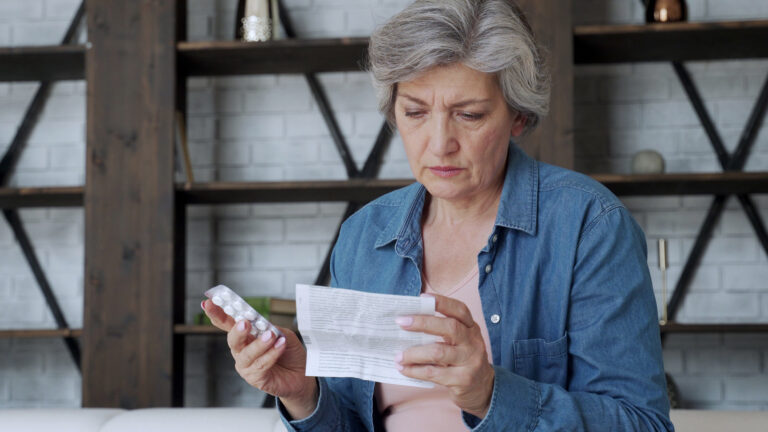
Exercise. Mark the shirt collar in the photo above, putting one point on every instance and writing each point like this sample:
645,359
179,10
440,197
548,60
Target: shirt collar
518,208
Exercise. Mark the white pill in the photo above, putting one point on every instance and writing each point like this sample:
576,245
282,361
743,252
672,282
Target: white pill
228,310
239,305
226,296
238,318
250,315
217,300
262,324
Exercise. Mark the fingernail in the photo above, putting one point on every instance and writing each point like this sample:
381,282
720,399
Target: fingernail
279,342
241,325
202,304
404,320
266,336
399,366
399,357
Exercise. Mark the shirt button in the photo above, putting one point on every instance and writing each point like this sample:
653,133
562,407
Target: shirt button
488,268
495,318
495,238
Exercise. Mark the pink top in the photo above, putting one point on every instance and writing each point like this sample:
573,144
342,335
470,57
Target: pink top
411,408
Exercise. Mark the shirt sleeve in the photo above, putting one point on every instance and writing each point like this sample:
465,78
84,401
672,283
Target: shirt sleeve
330,414
615,373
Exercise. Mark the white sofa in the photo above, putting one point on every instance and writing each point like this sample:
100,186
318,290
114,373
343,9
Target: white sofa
141,420
267,420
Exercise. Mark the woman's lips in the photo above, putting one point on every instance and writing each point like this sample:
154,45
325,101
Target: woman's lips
445,171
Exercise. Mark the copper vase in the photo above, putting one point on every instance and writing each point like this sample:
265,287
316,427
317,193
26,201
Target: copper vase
662,11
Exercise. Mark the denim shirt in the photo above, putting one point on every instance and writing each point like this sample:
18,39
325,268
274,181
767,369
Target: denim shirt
567,299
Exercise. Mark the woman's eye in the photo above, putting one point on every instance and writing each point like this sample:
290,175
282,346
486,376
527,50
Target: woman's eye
471,116
414,114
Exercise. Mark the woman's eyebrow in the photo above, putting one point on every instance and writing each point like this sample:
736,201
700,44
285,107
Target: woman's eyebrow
412,98
469,102
459,104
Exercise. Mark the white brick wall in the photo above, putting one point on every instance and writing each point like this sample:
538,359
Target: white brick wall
268,127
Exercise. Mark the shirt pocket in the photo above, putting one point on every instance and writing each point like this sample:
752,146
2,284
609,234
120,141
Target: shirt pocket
542,361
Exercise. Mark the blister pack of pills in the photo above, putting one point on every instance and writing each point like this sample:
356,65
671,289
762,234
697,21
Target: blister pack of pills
234,306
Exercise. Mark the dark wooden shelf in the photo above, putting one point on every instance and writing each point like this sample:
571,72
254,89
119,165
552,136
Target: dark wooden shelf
670,42
40,333
686,184
303,191
42,63
362,191
41,197
283,56
714,328
188,329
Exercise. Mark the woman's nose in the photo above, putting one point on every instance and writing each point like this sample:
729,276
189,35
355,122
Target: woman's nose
442,140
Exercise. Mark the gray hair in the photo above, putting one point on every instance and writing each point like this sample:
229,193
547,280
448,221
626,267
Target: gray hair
490,36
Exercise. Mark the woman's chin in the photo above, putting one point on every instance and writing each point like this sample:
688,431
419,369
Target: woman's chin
445,189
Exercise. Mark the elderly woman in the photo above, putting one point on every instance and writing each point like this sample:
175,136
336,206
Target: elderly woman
546,311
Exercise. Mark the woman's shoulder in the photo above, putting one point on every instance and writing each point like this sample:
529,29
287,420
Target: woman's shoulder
556,183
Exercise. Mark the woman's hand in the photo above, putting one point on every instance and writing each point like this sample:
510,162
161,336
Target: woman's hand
275,366
459,362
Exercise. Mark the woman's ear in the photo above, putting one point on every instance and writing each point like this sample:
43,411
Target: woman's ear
518,125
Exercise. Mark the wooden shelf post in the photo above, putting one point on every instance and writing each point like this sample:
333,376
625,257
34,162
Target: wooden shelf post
127,336
552,141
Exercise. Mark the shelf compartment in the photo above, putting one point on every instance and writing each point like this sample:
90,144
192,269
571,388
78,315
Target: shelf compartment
670,42
42,63
357,190
686,184
41,197
40,333
592,44
290,56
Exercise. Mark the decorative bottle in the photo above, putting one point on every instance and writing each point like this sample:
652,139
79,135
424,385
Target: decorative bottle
257,21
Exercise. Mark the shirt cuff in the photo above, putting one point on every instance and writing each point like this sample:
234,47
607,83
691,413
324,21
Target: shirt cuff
515,404
318,417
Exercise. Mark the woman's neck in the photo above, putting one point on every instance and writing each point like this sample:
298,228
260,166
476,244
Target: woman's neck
477,208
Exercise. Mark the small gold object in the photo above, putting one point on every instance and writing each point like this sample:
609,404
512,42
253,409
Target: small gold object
663,265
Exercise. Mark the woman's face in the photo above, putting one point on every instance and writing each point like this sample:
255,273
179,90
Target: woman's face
456,128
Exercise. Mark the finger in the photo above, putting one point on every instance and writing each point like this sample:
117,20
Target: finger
268,359
239,336
454,377
217,316
256,349
450,329
431,373
453,308
433,354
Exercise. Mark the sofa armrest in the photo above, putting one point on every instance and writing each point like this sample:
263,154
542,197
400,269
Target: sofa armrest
718,421
59,420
